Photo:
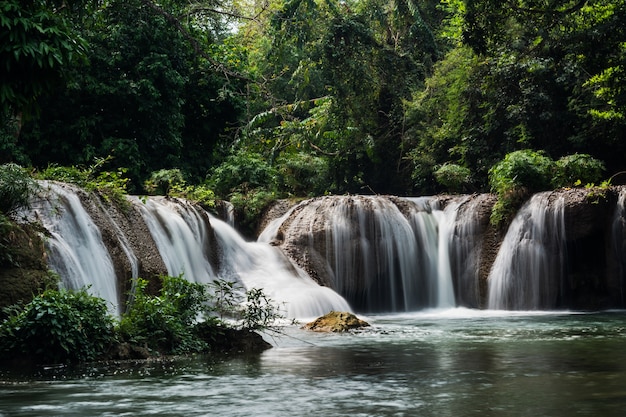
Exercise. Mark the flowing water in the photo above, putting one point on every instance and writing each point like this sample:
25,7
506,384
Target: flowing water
435,363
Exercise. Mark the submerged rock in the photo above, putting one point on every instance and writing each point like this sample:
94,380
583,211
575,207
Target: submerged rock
336,321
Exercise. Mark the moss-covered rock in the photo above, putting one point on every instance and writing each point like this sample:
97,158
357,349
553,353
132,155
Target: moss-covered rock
336,322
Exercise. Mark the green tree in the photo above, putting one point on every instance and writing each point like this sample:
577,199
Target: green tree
37,42
152,95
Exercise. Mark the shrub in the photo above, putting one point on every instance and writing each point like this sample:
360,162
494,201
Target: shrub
526,168
577,169
517,176
59,326
242,172
112,185
165,322
16,188
452,176
162,181
304,174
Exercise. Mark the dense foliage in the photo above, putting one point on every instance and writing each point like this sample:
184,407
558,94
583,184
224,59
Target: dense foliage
61,326
255,100
58,326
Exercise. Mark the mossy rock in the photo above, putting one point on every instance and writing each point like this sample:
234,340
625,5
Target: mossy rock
336,322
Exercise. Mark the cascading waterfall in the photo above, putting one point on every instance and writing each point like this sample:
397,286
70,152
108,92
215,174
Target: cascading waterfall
181,233
527,273
182,236
383,254
377,255
259,265
75,248
186,237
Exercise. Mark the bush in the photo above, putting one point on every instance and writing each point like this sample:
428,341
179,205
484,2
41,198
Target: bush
164,323
59,326
577,169
304,174
16,188
515,178
162,181
530,169
112,185
243,172
452,176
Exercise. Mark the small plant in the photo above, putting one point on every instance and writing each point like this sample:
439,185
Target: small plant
247,310
259,312
162,181
111,185
16,188
201,194
58,326
452,176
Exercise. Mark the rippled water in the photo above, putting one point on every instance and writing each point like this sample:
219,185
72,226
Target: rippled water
453,363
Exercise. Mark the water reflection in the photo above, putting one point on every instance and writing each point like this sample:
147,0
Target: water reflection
516,365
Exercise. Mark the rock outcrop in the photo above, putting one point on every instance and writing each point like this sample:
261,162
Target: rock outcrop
336,322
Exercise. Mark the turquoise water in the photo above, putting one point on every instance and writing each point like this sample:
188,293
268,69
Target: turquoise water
439,363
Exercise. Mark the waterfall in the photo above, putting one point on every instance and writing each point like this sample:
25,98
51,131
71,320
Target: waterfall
75,248
383,254
181,233
527,273
259,265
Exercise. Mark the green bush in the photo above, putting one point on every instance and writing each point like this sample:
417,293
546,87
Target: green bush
112,185
242,172
164,322
58,326
526,168
304,174
452,176
515,178
16,188
162,181
577,169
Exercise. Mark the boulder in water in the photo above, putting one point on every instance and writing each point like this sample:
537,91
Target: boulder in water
336,321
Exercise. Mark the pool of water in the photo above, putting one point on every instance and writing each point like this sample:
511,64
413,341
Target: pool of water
439,363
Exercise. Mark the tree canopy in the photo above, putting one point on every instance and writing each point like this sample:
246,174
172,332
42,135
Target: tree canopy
265,98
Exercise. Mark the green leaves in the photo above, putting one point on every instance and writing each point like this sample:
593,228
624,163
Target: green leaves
36,42
16,188
59,326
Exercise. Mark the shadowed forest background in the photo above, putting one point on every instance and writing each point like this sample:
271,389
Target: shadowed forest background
261,99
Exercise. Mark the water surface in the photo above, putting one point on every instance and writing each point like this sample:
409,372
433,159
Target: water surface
450,363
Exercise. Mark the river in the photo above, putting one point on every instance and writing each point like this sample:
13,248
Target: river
433,363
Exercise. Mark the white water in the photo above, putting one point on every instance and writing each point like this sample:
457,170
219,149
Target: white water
527,273
259,265
181,234
75,248
377,257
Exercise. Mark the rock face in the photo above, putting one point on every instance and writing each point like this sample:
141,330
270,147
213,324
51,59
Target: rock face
336,322
23,269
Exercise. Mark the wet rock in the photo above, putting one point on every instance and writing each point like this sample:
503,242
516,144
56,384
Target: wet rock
336,322
127,351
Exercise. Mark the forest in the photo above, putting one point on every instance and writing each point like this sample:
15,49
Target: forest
255,100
